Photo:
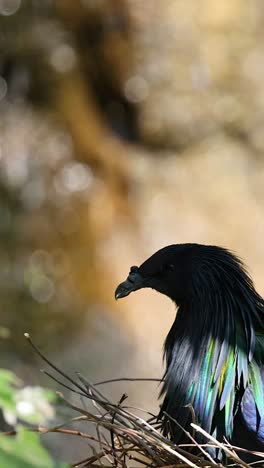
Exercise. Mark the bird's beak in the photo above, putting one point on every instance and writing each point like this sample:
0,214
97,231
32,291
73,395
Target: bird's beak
133,282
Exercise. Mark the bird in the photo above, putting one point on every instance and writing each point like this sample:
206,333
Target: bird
214,351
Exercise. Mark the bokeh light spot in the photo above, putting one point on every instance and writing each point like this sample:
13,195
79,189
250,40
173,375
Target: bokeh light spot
136,89
63,58
3,88
41,289
9,7
74,177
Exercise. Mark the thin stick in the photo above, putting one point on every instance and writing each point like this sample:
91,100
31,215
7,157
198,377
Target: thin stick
67,377
232,455
62,383
128,379
192,439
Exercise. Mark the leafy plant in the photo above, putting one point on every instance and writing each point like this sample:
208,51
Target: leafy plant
22,448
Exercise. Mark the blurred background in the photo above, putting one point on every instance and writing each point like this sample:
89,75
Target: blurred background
124,126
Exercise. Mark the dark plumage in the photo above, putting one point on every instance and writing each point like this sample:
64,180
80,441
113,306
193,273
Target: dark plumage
214,351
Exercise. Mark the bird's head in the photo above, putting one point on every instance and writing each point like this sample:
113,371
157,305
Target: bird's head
186,271
168,271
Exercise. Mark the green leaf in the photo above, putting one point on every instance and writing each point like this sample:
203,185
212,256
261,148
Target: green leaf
8,381
25,451
33,404
8,377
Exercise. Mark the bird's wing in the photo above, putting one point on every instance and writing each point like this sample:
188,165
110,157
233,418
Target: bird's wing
227,372
251,412
215,390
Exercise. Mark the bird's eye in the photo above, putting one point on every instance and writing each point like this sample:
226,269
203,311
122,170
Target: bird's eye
167,267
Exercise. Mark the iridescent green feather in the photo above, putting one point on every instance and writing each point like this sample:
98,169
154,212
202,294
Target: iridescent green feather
229,407
257,387
229,377
190,391
210,391
201,393
242,355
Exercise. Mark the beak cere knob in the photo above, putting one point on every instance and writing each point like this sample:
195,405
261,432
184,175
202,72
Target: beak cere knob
133,282
133,269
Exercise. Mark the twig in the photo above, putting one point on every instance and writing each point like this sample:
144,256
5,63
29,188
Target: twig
128,379
231,454
53,366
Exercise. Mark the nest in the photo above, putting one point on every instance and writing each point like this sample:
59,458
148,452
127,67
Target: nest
124,439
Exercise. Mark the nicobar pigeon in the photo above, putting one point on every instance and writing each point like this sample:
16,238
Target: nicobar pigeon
214,352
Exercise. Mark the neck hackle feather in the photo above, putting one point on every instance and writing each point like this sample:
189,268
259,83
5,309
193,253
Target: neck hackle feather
214,350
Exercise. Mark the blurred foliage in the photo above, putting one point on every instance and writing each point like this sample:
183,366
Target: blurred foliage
28,404
33,246
7,390
58,190
25,451
65,130
21,448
